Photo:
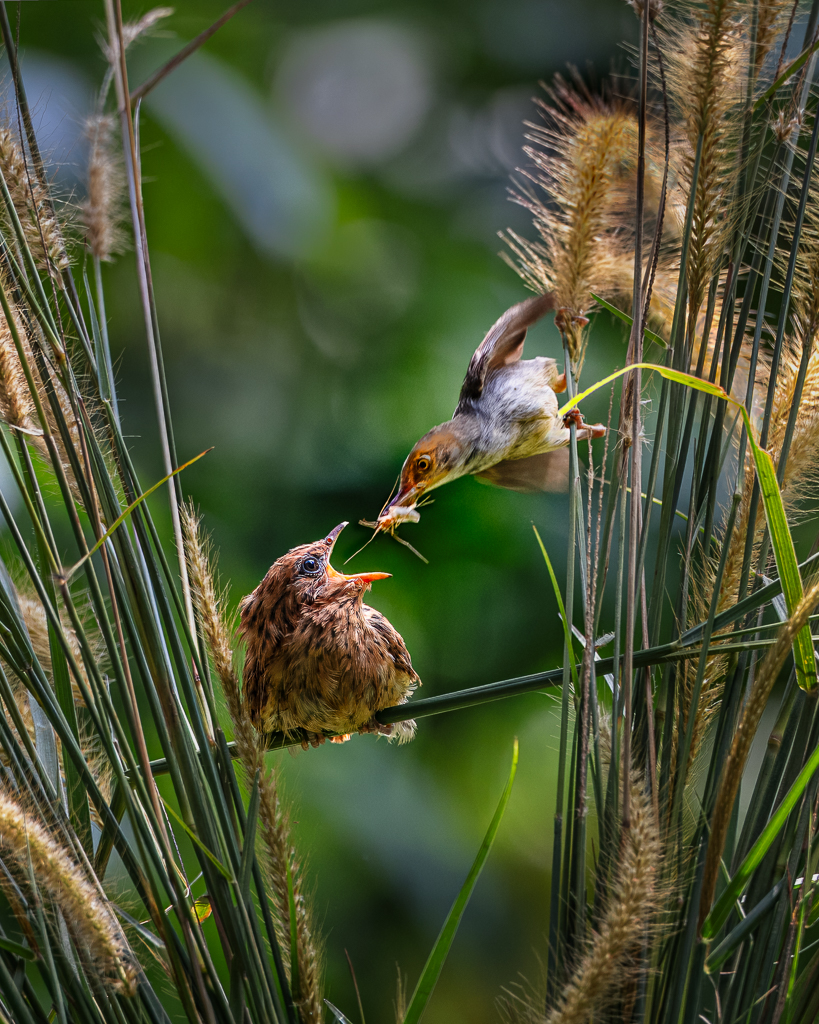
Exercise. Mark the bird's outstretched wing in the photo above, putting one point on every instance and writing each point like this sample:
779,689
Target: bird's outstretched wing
502,345
547,471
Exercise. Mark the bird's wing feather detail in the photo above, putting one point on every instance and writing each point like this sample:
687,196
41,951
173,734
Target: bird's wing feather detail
548,471
502,345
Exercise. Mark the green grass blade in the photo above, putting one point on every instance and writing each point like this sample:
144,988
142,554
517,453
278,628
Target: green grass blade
339,1016
194,838
731,941
789,71
566,628
722,908
435,962
246,867
628,320
785,555
121,519
781,540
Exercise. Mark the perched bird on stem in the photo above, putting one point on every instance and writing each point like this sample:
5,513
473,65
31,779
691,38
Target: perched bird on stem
318,658
505,427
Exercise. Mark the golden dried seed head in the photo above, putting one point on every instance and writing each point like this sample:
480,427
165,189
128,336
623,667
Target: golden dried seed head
26,845
102,209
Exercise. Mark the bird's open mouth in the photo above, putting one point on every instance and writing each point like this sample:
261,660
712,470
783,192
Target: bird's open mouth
362,579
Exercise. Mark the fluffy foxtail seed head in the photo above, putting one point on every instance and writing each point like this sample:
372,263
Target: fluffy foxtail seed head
102,208
33,204
16,403
133,30
579,157
26,844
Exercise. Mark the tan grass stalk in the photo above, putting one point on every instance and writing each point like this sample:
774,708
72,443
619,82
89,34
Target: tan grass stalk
106,182
26,844
602,970
580,157
764,679
279,855
33,204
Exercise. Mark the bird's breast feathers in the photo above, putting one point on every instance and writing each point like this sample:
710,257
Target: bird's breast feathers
519,408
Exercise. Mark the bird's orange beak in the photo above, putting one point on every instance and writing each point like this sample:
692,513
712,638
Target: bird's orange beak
363,578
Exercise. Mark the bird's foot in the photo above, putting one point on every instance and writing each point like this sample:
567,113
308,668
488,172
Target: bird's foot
341,739
312,739
589,430
377,728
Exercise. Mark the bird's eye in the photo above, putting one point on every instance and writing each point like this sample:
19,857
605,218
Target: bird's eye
310,567
423,464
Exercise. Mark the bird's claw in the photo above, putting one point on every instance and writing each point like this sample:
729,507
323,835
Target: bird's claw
312,739
377,728
590,430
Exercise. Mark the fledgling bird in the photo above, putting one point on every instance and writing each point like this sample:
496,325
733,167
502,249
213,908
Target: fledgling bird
318,658
505,428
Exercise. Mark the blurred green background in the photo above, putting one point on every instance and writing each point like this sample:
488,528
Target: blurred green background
324,184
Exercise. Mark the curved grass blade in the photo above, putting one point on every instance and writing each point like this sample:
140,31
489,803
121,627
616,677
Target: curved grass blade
566,631
789,71
628,320
722,908
781,540
435,962
121,519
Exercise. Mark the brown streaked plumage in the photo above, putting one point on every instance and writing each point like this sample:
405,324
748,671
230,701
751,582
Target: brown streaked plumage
318,658
505,428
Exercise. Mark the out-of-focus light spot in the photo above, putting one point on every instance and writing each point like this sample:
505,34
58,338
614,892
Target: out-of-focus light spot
362,281
358,89
281,199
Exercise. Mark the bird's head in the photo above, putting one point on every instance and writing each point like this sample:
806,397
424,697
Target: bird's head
440,456
305,575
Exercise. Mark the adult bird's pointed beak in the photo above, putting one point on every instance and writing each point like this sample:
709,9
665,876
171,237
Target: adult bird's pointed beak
407,497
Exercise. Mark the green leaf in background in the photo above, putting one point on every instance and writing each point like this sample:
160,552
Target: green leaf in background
435,962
